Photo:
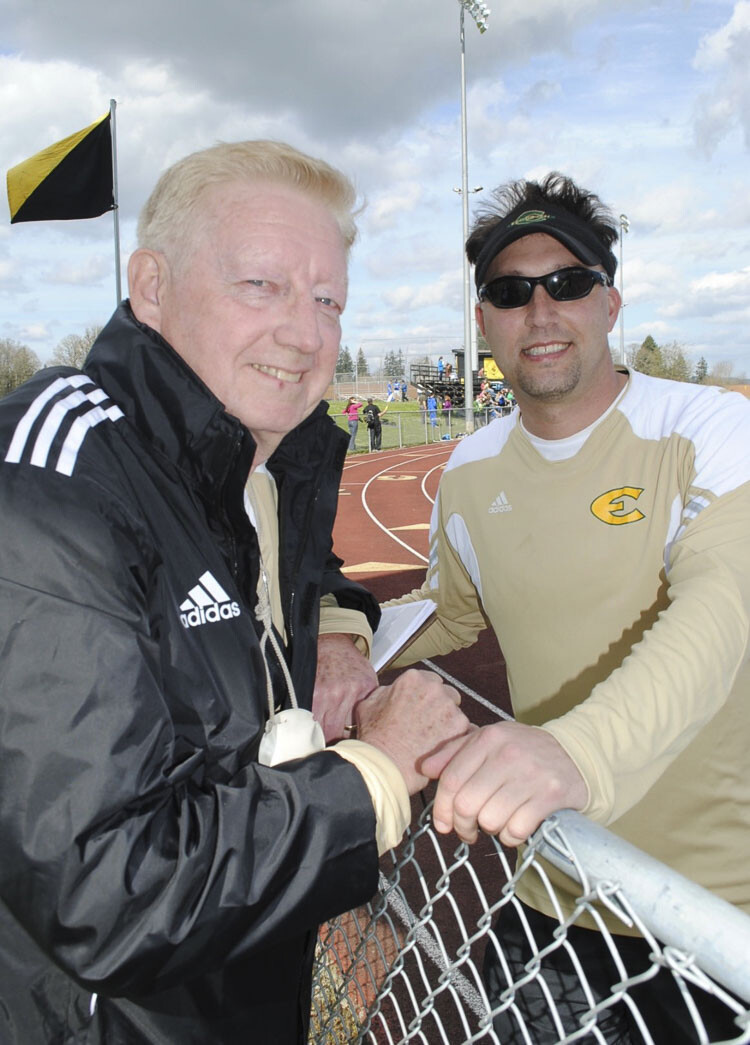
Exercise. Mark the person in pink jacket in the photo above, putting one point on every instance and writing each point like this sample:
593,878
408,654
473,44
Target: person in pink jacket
352,416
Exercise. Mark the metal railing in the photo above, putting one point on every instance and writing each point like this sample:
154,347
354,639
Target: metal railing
412,428
410,965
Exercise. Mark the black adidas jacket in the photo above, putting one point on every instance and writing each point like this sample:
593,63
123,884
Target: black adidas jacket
156,883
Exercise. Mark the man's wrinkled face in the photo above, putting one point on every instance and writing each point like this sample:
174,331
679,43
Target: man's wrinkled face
253,304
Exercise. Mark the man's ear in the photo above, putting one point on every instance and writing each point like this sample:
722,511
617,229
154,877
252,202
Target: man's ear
147,277
614,304
478,312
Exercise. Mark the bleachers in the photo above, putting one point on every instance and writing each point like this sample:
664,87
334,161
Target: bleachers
427,379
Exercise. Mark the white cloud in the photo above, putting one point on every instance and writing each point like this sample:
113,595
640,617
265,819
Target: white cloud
7,273
442,292
654,327
388,208
727,104
34,332
341,66
732,283
84,273
617,95
416,255
668,206
716,49
647,279
717,295
541,92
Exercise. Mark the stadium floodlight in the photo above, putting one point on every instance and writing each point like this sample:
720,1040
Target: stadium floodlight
480,13
624,227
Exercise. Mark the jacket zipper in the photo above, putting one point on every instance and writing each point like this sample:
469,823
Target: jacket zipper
313,500
233,558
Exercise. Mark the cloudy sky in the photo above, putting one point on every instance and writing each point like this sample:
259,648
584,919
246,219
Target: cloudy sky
647,102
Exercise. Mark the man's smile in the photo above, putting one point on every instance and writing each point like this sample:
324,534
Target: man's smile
281,375
546,350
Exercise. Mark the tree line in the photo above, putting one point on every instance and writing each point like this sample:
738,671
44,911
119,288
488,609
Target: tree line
18,362
394,364
668,360
671,362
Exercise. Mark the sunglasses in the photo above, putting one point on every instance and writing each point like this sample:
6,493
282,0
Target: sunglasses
568,284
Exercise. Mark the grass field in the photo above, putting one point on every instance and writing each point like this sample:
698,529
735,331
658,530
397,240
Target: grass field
403,425
411,406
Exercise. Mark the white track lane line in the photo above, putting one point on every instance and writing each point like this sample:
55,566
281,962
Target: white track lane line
395,454
426,477
374,518
469,692
430,947
433,667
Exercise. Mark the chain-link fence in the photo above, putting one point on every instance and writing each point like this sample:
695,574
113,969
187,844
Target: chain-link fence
416,428
447,953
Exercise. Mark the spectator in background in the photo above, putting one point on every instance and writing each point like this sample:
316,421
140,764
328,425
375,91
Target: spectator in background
449,375
432,409
495,409
389,392
441,368
352,419
447,407
404,390
482,404
372,414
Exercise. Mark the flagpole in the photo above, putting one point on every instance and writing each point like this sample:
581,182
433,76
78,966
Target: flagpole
116,207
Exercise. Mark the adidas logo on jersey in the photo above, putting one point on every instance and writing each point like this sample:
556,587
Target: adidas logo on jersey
500,504
207,603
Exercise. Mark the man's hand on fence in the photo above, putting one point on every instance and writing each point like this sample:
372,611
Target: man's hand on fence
503,779
410,720
344,677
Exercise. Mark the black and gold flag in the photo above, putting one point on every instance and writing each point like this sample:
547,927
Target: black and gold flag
70,179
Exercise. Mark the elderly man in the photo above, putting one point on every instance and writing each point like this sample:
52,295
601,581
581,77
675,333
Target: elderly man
619,508
172,829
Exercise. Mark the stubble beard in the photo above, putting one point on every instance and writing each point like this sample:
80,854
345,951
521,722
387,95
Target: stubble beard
549,385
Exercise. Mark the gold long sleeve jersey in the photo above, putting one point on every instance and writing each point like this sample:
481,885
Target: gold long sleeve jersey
618,584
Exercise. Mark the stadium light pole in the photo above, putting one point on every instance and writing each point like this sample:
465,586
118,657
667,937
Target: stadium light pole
480,13
624,227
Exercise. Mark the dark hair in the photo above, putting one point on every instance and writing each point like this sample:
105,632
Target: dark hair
556,189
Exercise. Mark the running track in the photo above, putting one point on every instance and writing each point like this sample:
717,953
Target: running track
381,532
